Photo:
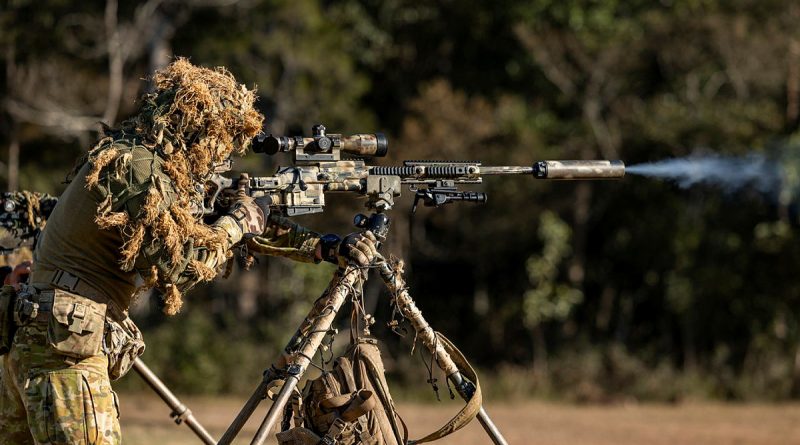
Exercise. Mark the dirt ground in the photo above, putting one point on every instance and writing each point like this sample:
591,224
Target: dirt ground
145,420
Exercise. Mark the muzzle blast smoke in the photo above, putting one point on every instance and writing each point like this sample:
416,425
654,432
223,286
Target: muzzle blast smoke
729,173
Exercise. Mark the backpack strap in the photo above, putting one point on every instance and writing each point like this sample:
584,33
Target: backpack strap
470,410
345,370
368,353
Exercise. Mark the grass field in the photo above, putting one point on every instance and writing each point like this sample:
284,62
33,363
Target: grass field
145,420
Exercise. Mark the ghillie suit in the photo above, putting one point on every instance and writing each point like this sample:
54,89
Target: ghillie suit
131,209
194,121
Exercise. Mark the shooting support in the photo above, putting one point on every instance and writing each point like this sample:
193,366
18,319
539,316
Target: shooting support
300,189
303,346
180,412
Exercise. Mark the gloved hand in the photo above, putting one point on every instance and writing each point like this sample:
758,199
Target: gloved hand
356,248
250,214
247,218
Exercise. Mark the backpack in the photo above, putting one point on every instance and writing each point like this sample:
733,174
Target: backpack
351,404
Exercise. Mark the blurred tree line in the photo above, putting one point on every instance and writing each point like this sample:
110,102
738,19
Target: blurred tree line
587,291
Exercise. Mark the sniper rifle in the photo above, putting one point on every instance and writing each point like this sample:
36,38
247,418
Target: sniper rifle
320,167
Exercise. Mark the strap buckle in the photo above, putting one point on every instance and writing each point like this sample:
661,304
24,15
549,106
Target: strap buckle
25,311
78,318
65,280
335,432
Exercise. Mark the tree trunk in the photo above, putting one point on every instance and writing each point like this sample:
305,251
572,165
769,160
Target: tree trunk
795,391
115,64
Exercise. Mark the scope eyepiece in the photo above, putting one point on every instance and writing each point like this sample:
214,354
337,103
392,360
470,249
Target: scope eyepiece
269,144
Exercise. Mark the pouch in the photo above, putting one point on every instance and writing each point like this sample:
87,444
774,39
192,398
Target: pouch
76,326
123,344
298,436
7,326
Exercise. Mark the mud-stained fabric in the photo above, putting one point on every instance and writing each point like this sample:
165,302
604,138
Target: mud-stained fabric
46,400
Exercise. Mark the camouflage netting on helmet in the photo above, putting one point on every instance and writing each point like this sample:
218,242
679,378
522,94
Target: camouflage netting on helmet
195,119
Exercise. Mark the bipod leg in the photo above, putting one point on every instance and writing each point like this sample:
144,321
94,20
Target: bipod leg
393,278
180,412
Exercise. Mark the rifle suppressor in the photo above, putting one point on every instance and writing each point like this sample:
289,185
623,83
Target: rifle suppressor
574,170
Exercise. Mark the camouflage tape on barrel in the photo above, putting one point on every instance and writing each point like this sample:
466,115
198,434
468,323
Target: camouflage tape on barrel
570,170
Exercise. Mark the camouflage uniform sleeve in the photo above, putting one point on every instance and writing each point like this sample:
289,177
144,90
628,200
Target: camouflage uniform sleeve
286,239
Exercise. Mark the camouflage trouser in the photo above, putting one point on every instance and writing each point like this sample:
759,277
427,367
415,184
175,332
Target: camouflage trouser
45,400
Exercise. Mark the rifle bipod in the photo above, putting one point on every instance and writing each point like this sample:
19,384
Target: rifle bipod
303,346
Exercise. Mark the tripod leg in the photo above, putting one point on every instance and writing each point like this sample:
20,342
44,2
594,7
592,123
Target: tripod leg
394,282
247,410
491,428
275,410
270,374
180,412
297,356
318,328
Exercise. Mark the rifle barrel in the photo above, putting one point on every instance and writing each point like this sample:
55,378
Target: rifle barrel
506,170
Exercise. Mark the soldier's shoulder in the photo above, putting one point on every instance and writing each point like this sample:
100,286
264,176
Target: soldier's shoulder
141,162
126,167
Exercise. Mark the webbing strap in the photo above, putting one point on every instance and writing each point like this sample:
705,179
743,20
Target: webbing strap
470,410
64,280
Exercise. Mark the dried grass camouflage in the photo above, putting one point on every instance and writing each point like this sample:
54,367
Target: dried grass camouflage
195,119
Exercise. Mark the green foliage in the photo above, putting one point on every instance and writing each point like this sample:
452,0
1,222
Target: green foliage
549,300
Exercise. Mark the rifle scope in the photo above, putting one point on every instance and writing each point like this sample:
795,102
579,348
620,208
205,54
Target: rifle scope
367,144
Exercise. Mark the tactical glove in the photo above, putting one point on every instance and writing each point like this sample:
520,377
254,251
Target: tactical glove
251,215
356,248
246,219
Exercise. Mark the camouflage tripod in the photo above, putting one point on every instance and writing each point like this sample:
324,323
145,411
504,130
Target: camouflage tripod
294,361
